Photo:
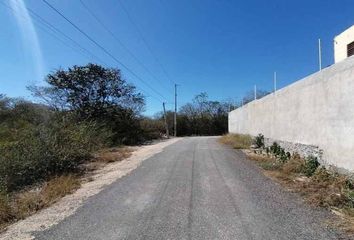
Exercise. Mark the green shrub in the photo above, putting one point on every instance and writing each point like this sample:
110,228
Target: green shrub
283,157
267,151
46,150
279,152
275,149
259,141
310,166
349,194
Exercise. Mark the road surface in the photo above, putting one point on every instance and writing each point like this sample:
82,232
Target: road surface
194,189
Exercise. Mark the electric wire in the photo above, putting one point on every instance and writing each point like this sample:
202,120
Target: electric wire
101,47
104,26
145,41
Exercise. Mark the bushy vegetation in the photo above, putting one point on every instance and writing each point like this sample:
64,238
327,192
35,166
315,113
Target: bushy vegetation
310,166
82,109
305,166
152,128
200,117
44,151
203,117
278,152
259,141
98,94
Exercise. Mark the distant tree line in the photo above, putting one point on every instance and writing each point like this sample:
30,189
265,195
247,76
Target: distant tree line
200,117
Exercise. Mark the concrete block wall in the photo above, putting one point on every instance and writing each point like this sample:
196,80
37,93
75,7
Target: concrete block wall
316,111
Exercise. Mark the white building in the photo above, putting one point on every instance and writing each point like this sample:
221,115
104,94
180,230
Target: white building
344,45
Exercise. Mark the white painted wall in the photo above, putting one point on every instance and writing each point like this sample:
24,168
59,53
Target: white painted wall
317,110
340,44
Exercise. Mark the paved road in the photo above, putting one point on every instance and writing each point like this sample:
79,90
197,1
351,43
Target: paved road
194,189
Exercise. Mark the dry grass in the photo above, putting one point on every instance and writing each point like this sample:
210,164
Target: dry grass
29,202
6,213
237,141
106,156
59,187
259,158
264,161
294,165
19,205
324,189
25,203
113,154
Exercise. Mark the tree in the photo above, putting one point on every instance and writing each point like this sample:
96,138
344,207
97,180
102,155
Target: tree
203,117
95,93
92,91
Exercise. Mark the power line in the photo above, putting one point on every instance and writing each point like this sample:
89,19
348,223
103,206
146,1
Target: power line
45,24
144,41
101,47
42,24
65,35
91,12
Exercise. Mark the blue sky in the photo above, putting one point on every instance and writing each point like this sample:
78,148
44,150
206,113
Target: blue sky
219,47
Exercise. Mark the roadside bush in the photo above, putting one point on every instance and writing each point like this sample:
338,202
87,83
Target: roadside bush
275,149
349,194
279,152
46,150
259,141
310,166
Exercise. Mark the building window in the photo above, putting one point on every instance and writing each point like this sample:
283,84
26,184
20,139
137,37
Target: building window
350,49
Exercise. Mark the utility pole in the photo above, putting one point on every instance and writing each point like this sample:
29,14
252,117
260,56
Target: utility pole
165,118
275,81
175,115
319,54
